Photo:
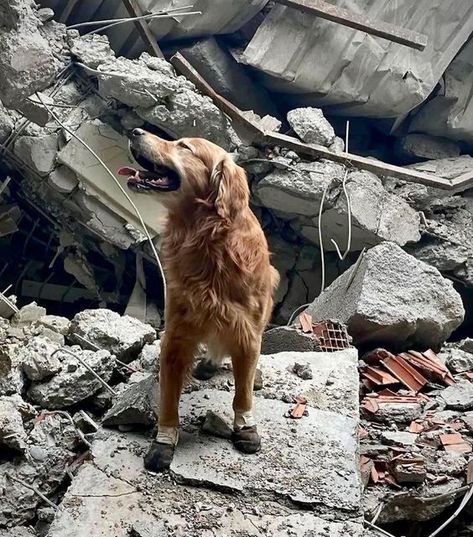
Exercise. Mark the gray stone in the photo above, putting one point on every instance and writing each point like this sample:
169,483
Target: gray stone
457,360
328,478
38,359
74,382
26,61
11,374
467,419
287,338
63,179
45,14
465,345
19,531
55,322
216,426
459,396
123,336
136,405
34,110
303,371
6,123
12,432
397,413
91,50
311,126
413,147
28,314
38,152
391,298
399,438
149,356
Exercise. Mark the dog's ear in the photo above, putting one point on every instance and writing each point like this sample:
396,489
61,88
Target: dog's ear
230,188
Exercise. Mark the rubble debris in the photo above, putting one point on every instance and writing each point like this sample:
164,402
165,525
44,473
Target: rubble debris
12,432
11,374
28,314
454,443
459,396
216,426
409,469
407,374
38,359
415,147
74,382
457,360
399,438
135,405
303,371
300,409
311,126
393,298
123,336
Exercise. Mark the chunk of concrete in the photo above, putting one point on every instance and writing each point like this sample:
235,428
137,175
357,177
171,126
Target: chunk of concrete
399,438
12,432
63,179
459,396
311,126
329,478
55,322
122,336
136,405
28,314
91,50
74,382
415,147
12,379
38,359
38,152
149,356
286,339
457,360
391,298
34,110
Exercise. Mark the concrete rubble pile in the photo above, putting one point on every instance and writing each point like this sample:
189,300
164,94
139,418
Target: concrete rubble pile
385,325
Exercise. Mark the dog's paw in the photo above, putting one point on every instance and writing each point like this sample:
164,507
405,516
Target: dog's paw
247,440
159,457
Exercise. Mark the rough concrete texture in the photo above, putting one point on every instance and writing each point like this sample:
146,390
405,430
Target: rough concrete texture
311,126
295,194
28,314
11,374
38,152
26,60
457,360
12,432
446,240
137,405
123,336
160,97
415,147
227,77
113,497
287,338
63,179
459,396
392,298
38,359
74,382
149,356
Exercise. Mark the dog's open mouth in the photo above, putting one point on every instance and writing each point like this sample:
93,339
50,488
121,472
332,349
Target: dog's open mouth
152,177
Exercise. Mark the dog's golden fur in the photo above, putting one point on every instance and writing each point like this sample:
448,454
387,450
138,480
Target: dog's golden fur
220,280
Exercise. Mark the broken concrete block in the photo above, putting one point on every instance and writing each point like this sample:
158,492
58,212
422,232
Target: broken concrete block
12,432
28,314
55,322
34,110
6,123
459,396
457,360
91,50
391,298
149,356
216,426
287,338
396,413
38,359
11,374
228,77
414,147
399,438
26,61
136,405
311,126
38,152
122,336
74,382
63,179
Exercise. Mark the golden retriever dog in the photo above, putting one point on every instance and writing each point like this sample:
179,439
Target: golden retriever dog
220,281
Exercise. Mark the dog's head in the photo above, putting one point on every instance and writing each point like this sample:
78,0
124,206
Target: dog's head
185,172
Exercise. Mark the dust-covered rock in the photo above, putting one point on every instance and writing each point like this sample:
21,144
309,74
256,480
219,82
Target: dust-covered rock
311,126
123,336
457,360
12,432
459,396
38,359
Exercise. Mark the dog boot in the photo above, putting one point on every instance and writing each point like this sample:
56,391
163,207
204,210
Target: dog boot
247,439
205,370
159,457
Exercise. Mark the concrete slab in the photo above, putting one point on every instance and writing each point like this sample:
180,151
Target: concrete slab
311,461
112,148
112,496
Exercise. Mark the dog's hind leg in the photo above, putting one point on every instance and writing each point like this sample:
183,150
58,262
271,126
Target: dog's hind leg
177,354
244,360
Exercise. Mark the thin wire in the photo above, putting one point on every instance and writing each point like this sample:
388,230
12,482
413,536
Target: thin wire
34,489
127,19
124,192
377,528
462,505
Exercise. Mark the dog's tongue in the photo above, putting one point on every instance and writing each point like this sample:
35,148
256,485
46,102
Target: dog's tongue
127,170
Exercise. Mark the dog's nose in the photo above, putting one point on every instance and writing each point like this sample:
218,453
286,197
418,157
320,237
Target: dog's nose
138,132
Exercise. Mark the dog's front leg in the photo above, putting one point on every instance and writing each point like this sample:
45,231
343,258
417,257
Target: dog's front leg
177,353
245,435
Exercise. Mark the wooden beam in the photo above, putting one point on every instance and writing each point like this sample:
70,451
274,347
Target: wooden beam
358,22
312,150
142,26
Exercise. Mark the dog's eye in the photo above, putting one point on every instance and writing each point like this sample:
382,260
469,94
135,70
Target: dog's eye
185,145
